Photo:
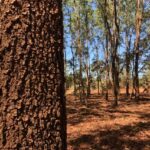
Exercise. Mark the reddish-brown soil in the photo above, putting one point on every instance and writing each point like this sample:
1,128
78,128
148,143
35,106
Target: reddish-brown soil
99,126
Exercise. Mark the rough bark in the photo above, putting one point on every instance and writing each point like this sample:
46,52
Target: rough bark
32,104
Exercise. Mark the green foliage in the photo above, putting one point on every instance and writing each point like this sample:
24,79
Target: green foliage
84,22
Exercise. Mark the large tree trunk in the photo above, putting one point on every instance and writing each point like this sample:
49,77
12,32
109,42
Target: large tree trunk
32,104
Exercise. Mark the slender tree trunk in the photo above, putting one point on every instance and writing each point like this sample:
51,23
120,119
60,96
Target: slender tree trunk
73,69
98,72
102,86
115,78
67,85
139,7
74,77
113,37
81,82
107,67
88,80
81,85
115,58
98,89
73,56
127,64
127,75
80,71
128,35
98,84
80,53
85,4
32,104
133,79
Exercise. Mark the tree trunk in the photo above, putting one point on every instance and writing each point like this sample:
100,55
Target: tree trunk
73,69
81,85
107,67
98,85
86,49
127,64
74,77
113,37
32,104
139,6
127,75
80,53
88,81
115,58
115,78
73,57
67,85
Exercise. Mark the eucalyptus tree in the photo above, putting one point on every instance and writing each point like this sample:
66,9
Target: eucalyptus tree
79,24
110,14
102,42
70,33
32,103
79,45
127,32
87,21
138,24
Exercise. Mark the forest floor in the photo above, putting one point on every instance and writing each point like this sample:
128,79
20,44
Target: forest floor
99,126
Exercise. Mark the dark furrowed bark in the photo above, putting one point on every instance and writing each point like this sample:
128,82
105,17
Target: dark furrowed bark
32,103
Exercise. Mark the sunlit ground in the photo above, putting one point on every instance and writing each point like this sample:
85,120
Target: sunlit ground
99,126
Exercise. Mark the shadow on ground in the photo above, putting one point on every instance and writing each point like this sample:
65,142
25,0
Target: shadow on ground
132,134
120,139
